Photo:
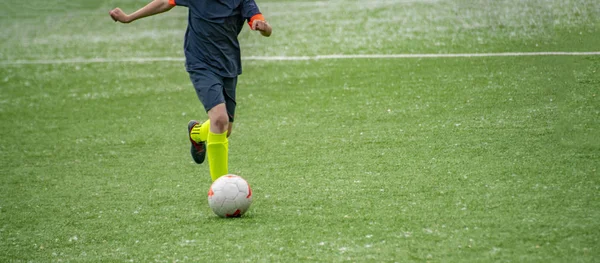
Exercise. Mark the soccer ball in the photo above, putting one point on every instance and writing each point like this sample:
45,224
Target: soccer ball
230,196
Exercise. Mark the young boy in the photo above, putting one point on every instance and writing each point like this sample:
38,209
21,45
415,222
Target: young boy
212,59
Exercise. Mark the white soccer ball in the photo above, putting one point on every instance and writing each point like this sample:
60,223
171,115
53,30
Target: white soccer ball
230,196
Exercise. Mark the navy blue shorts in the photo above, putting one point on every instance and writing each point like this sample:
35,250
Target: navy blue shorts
213,90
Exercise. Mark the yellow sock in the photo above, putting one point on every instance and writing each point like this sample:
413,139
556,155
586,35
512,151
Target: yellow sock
200,132
217,150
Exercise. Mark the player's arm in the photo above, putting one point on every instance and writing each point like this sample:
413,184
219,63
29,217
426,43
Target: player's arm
256,20
259,24
152,8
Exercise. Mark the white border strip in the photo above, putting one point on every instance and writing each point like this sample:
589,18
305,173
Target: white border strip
297,58
467,55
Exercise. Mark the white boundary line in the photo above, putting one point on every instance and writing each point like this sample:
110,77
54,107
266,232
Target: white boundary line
297,58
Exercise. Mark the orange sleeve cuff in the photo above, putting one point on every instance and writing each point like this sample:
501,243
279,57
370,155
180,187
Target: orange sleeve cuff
258,16
172,2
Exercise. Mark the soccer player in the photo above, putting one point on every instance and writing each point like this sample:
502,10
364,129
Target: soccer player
212,59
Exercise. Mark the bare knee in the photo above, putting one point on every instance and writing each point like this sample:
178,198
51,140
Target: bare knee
219,120
219,123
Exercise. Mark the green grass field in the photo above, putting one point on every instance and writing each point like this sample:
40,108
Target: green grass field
427,159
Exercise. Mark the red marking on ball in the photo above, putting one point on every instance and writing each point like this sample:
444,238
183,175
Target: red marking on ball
237,213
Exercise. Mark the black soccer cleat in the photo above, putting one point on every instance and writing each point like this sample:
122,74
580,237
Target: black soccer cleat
198,149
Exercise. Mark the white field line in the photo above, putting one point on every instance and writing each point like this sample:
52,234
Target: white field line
298,58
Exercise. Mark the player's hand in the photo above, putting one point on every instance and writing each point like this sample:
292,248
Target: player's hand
263,27
118,15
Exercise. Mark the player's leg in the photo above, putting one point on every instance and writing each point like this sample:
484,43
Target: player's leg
209,89
221,125
217,145
218,97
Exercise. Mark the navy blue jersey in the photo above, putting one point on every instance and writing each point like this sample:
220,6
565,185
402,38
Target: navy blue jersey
211,36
